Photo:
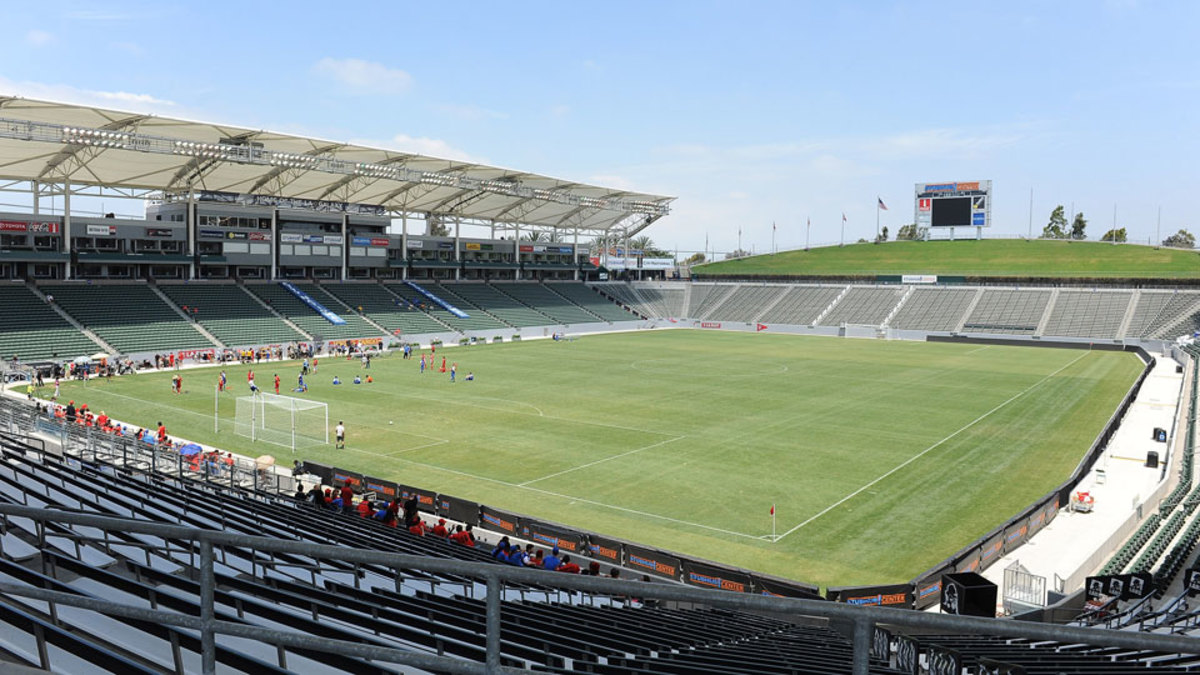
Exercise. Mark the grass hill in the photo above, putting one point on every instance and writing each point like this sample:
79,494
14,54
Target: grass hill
986,258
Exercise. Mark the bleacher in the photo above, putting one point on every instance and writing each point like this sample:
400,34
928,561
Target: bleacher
1005,311
500,305
1151,305
649,301
478,317
393,313
706,297
587,298
230,314
747,302
801,305
286,303
864,305
1181,316
541,627
939,309
32,331
546,301
1097,314
130,317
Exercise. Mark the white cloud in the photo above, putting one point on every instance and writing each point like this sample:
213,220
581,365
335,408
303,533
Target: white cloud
143,103
365,77
471,112
431,147
38,38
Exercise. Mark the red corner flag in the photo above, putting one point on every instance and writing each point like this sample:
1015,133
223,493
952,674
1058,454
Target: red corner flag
772,509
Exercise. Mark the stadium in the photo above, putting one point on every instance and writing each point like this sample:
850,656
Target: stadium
886,459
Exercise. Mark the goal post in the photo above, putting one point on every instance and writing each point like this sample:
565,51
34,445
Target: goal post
287,421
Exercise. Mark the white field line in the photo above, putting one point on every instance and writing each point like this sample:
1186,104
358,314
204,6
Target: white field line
582,500
917,456
416,447
601,461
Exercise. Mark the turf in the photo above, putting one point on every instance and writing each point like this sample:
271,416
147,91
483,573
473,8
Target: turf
882,457
986,258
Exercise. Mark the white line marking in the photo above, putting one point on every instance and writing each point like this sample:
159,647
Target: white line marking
580,499
417,447
601,461
917,456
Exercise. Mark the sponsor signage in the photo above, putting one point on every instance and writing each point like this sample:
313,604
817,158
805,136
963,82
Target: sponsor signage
525,248
539,248
657,263
426,500
445,245
360,241
291,238
44,228
897,595
414,244
710,324
237,235
604,549
342,477
499,521
381,241
925,204
213,234
194,353
159,232
384,489
918,278
472,247
565,249
13,226
707,576
334,239
101,230
545,534
259,236
22,226
313,239
652,561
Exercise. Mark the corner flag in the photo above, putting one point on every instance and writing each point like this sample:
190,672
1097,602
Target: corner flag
772,509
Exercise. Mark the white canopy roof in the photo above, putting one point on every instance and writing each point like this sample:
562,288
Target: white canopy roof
83,145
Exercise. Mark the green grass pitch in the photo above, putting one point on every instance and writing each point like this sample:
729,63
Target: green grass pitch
881,457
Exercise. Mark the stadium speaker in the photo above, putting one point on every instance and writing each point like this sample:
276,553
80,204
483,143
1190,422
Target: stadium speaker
1160,434
1178,369
968,594
1152,460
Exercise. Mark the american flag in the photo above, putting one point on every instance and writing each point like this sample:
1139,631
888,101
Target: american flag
843,216
882,205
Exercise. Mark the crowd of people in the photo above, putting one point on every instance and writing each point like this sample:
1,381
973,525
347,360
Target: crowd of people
395,513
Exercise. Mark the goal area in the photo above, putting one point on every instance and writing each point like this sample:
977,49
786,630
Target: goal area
282,420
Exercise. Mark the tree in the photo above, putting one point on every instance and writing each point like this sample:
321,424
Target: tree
532,236
882,236
694,259
437,228
907,232
1056,228
1114,235
738,253
1078,226
1181,239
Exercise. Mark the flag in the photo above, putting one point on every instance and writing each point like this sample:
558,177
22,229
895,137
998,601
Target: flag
810,221
772,509
772,226
882,205
843,216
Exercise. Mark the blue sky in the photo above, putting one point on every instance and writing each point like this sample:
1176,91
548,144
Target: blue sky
748,112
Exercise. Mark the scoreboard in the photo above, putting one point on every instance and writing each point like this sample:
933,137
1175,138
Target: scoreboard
956,204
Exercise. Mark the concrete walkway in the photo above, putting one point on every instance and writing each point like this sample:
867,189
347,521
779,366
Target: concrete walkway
1075,545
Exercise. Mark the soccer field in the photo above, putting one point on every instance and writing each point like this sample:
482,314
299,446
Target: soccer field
881,457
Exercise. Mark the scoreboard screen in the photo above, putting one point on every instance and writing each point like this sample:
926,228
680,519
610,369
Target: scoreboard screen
953,204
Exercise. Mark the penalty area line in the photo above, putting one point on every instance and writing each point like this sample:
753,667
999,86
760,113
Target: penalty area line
601,461
582,500
917,456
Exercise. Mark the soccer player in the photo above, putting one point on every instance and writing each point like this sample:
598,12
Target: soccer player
314,365
453,371
443,364
470,376
276,384
300,386
422,372
221,382
339,433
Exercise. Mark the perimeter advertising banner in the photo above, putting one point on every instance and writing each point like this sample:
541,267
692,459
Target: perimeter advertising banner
651,561
352,478
1015,534
601,548
927,589
498,521
545,534
322,471
707,576
426,500
891,595
383,489
464,511
782,589
992,549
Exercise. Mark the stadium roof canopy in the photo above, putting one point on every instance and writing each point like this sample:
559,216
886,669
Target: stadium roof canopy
60,143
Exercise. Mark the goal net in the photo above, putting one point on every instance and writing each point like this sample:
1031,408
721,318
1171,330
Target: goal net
282,420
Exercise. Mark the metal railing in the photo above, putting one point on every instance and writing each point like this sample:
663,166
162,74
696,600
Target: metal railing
862,618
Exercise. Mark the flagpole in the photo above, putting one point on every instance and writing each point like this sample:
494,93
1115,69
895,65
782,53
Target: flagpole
878,201
774,248
807,229
842,241
773,537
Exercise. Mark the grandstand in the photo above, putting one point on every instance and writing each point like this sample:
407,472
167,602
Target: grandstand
591,302
232,314
132,318
862,305
306,318
30,330
935,309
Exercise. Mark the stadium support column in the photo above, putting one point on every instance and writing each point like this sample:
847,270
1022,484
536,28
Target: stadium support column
189,217
274,244
517,249
345,248
37,196
68,271
575,254
404,244
457,247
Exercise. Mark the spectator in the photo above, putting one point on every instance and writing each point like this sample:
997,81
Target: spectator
300,494
500,552
568,566
410,511
517,557
347,495
593,569
535,560
316,496
614,573
418,528
364,509
463,536
439,530
552,561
